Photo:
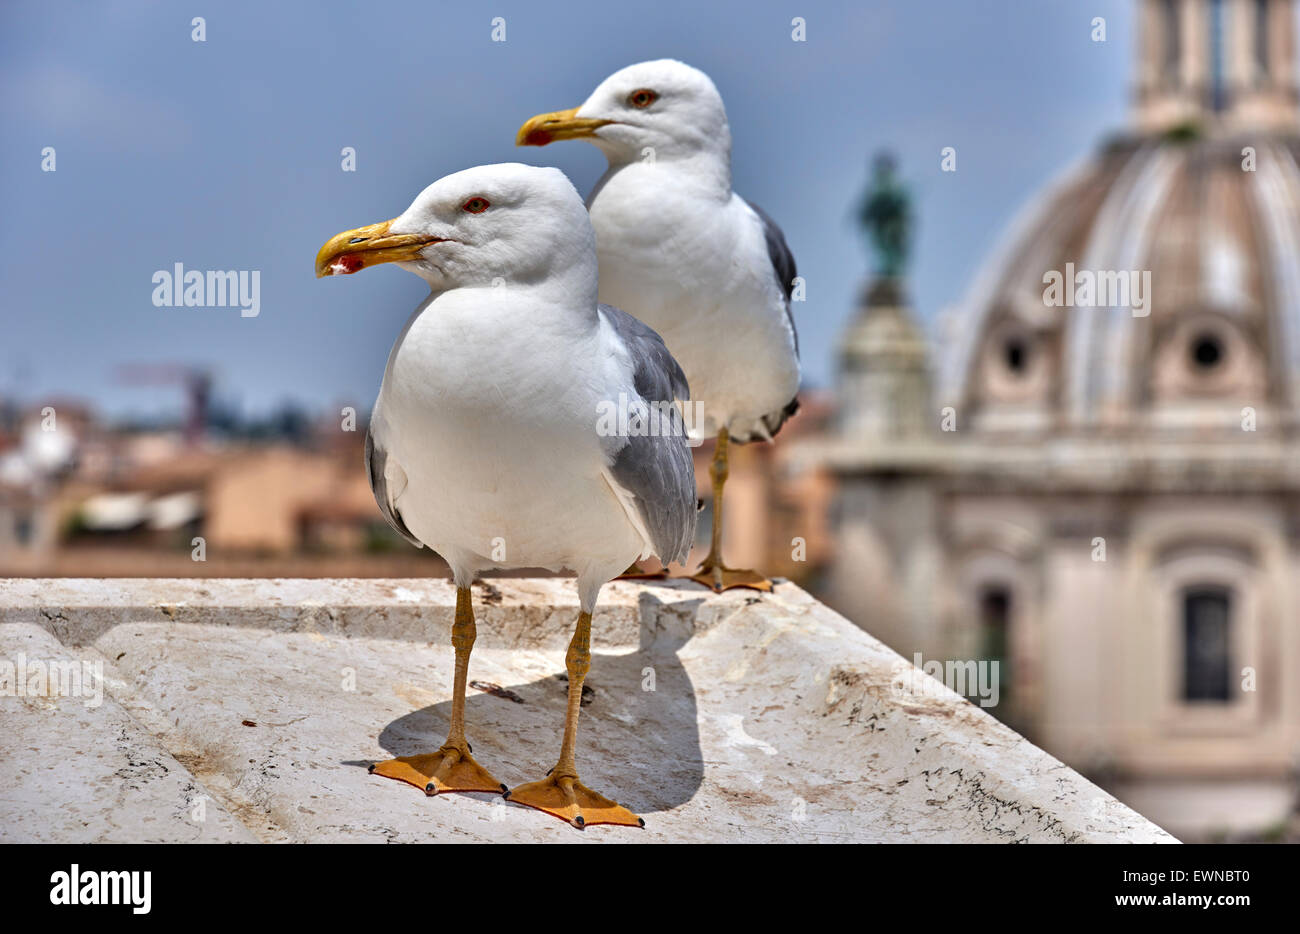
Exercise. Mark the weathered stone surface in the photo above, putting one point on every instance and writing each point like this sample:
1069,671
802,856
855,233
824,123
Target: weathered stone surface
734,717
80,769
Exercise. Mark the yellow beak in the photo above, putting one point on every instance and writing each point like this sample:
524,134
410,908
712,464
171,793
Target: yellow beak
354,250
563,124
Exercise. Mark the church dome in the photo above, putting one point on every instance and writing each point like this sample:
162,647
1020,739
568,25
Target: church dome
1157,285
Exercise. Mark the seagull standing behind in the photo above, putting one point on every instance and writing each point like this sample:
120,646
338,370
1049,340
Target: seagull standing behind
484,441
706,269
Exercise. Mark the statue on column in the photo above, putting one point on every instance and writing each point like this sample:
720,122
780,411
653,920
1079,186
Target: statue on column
886,218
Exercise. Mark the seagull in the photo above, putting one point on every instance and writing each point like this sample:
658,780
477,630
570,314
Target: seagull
488,441
681,251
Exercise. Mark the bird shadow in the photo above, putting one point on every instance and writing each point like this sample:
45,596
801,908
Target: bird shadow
638,733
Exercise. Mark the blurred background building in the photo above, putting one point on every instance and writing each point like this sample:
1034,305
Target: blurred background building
211,495
1104,499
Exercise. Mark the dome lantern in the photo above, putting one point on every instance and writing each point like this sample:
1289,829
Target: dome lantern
1216,66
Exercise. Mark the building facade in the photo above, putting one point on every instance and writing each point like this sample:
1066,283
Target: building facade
1092,474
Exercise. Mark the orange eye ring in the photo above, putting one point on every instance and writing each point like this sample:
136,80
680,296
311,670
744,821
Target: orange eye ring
642,98
476,205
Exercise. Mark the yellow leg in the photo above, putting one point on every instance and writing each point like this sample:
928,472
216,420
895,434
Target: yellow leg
560,793
713,572
451,768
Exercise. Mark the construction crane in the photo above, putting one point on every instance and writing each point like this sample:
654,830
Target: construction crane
197,383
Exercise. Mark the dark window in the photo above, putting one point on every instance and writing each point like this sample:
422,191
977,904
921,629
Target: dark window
1207,351
995,634
1016,355
1206,662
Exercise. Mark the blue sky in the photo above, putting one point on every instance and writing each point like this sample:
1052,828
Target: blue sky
225,154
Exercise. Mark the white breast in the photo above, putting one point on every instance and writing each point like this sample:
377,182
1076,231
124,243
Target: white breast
490,408
696,269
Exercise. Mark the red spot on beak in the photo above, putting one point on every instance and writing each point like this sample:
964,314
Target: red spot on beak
350,263
537,138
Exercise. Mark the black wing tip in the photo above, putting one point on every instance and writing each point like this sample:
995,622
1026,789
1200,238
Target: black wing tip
378,487
773,422
776,421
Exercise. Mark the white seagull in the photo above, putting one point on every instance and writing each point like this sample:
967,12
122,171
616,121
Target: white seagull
682,252
485,441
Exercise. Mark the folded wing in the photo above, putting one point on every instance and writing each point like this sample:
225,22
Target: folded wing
654,473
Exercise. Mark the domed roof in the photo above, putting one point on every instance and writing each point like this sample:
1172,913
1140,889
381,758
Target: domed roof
1158,283
1160,272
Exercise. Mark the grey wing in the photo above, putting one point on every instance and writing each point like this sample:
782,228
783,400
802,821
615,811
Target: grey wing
376,462
656,470
655,371
783,267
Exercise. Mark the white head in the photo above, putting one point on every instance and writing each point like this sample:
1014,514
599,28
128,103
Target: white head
518,223
665,110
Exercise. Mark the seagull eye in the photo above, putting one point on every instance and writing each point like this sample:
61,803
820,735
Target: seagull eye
476,205
642,98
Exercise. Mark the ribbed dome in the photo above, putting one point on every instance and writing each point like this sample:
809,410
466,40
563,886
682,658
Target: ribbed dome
1194,217
1219,245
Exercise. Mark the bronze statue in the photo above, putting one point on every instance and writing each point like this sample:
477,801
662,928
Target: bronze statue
886,218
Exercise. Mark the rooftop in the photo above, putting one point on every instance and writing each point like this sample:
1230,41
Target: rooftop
248,710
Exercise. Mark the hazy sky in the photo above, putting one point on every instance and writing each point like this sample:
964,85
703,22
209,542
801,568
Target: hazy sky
225,154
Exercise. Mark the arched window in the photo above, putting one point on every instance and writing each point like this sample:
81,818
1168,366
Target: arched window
995,634
1207,616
